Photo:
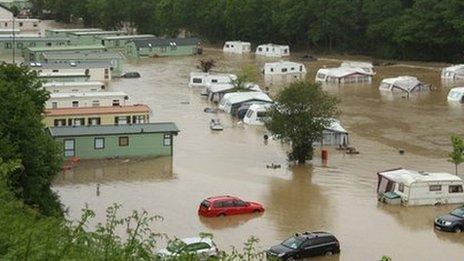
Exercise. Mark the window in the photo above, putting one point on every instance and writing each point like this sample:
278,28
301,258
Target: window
435,188
122,120
227,46
455,189
94,121
260,49
95,103
197,80
7,45
227,204
87,71
272,70
401,187
196,247
240,203
21,24
59,122
284,70
48,44
123,141
249,113
78,122
107,73
75,104
138,119
292,69
54,105
214,80
69,148
99,143
34,24
55,71
116,103
167,140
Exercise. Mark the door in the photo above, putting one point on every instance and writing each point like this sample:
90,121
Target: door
69,148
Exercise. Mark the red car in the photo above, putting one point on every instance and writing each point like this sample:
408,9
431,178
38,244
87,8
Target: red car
226,206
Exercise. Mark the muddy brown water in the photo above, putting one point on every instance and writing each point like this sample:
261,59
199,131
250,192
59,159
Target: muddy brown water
338,197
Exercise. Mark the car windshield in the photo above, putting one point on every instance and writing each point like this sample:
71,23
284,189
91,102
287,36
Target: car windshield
293,242
459,212
176,246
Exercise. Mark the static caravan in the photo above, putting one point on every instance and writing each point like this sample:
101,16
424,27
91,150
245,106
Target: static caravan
215,91
63,77
335,135
56,87
231,102
365,66
162,47
273,50
66,32
86,99
456,95
34,54
23,41
237,47
201,79
411,187
256,114
97,71
455,72
407,84
284,67
105,115
343,75
92,38
118,43
21,24
108,141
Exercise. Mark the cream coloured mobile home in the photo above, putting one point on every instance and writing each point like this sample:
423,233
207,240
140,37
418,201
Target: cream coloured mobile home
86,99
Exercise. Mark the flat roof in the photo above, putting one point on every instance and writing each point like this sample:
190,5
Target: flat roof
99,130
137,108
30,37
21,20
340,72
128,37
66,48
158,41
71,65
82,55
74,30
61,74
238,97
98,33
72,84
85,94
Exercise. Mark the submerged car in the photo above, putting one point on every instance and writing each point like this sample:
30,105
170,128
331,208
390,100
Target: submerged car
131,75
226,206
307,244
451,222
202,248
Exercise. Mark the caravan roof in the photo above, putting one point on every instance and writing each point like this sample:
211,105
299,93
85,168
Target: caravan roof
238,97
357,64
455,68
86,94
336,126
408,177
406,83
341,72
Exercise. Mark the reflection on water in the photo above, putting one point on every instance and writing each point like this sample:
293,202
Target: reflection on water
339,197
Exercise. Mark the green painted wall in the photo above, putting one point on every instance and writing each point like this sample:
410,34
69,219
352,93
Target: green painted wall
148,144
132,52
7,46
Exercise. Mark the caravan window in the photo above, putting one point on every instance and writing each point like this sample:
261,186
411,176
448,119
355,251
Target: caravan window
261,114
284,69
435,188
249,113
455,189
260,49
214,80
197,80
401,188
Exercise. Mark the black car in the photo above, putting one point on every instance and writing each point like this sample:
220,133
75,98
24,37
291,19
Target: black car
305,245
451,222
131,75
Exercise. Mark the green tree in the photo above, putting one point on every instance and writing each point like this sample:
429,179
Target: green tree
457,155
22,137
247,74
300,114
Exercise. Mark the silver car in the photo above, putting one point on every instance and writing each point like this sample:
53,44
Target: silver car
203,248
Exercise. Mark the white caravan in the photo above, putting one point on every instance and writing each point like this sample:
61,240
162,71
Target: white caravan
56,87
343,75
230,102
365,66
455,72
335,135
202,79
456,95
273,50
420,188
284,67
406,84
237,47
86,99
215,91
256,114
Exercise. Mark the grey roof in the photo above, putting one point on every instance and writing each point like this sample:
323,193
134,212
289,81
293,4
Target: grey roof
82,56
19,38
71,65
157,42
69,131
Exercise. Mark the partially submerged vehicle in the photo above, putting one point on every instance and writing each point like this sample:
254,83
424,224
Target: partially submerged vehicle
409,187
405,84
215,125
283,67
231,102
237,47
273,50
256,114
335,135
215,91
203,248
455,72
203,79
367,67
343,75
456,95
131,75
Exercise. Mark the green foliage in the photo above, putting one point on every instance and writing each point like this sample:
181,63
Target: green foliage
300,114
457,155
247,74
22,137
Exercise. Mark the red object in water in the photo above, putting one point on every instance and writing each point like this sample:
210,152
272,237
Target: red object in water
226,206
325,155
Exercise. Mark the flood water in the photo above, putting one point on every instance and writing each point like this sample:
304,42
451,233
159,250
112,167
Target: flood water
338,197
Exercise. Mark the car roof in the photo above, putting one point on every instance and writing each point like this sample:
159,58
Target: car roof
192,240
315,234
211,199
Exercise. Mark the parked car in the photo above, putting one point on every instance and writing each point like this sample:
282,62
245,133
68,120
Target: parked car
226,206
203,248
131,75
451,222
307,244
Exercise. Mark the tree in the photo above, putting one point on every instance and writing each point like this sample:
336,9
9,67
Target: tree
247,74
22,137
299,115
206,65
457,155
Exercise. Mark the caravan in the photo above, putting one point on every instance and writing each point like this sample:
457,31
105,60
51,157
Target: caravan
456,95
273,50
410,187
455,72
231,102
55,87
343,75
406,84
256,114
86,99
202,79
365,66
237,47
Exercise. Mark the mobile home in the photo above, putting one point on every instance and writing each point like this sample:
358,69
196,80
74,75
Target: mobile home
66,32
215,91
237,47
343,75
23,41
231,102
108,141
273,50
202,79
365,66
97,71
407,84
30,25
455,72
161,47
56,87
284,67
32,54
86,99
105,115
256,114
63,77
118,43
419,188
92,38
456,95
